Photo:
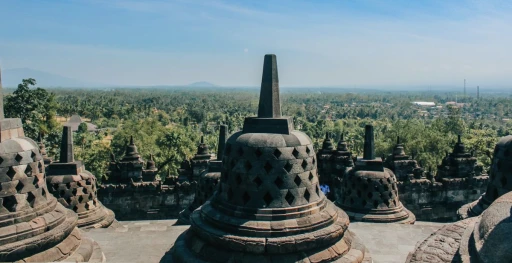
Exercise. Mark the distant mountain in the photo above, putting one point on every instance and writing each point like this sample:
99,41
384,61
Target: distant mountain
202,84
13,77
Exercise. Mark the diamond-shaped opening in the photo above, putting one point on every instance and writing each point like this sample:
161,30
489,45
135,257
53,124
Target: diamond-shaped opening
68,185
295,153
267,198
277,153
10,203
257,181
33,154
258,153
75,208
503,180
389,180
364,203
18,157
318,190
227,150
11,172
28,170
288,166
390,194
307,195
381,181
248,166
308,150
88,182
238,179
387,203
40,166
289,198
74,191
395,202
1,160
43,192
85,190
297,180
246,197
240,151
314,161
370,195
19,186
304,164
267,167
31,198
230,194
279,182
375,204
233,163
311,176
80,199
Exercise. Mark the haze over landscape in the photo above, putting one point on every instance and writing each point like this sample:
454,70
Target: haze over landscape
319,43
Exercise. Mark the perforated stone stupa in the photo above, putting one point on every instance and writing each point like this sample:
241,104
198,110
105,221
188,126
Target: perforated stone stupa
34,227
75,187
500,179
403,166
269,207
199,162
369,191
208,180
484,239
458,165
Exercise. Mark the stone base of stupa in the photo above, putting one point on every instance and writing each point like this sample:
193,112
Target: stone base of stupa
472,209
48,238
314,240
399,216
184,216
448,244
101,217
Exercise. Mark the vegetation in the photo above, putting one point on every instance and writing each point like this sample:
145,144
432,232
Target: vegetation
169,122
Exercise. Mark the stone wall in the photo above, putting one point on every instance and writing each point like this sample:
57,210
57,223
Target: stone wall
150,201
440,201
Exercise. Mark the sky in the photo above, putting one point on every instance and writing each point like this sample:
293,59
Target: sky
318,43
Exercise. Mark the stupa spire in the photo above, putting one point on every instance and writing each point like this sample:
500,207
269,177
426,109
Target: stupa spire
223,133
270,105
369,143
66,146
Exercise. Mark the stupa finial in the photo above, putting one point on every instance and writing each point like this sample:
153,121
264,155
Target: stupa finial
270,105
369,143
223,133
66,146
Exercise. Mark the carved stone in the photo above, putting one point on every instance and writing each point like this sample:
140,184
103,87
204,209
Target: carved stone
473,240
269,206
75,187
500,179
33,225
369,191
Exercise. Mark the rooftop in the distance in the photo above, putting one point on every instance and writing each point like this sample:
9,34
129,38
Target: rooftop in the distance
147,241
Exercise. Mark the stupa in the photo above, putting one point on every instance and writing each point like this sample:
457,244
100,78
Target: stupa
42,149
342,163
500,181
403,166
208,180
483,239
34,226
369,190
199,162
268,207
75,187
458,165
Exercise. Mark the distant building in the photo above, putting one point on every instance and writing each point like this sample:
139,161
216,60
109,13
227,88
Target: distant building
424,103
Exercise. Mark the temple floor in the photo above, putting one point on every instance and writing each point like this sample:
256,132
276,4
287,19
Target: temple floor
147,241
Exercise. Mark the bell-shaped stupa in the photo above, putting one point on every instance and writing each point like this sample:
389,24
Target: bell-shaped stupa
500,181
269,207
369,191
208,180
483,239
34,226
75,187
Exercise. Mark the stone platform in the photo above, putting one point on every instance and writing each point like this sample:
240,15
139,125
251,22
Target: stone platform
147,241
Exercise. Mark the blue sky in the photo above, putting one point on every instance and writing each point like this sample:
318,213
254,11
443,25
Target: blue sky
317,43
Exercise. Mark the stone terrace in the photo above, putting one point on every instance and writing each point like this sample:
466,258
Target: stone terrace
147,241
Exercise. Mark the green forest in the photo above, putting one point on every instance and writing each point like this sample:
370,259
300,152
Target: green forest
168,122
